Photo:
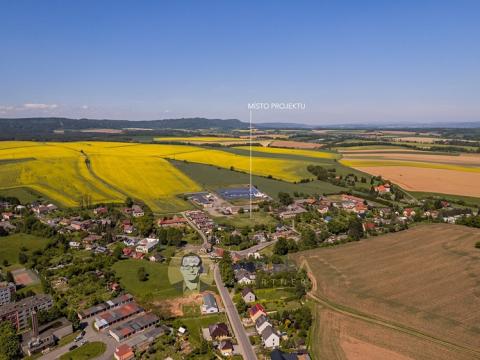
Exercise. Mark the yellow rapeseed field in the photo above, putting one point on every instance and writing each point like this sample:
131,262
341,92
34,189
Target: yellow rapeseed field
111,171
288,170
53,170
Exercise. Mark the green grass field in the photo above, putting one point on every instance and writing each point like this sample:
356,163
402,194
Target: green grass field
468,200
244,220
24,194
85,352
277,299
10,246
156,287
211,177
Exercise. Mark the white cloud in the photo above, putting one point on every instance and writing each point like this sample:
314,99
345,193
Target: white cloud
84,107
40,106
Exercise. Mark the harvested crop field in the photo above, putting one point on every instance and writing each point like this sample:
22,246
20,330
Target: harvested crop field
345,338
412,155
441,181
421,171
424,282
420,139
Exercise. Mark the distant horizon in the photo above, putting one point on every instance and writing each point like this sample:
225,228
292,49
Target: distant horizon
348,62
362,124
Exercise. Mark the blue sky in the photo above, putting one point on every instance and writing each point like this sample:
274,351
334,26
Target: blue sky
348,61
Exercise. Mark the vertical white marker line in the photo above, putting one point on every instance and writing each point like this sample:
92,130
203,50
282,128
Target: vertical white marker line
250,189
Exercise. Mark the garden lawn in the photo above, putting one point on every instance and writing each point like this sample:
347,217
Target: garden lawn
10,246
156,287
85,352
194,326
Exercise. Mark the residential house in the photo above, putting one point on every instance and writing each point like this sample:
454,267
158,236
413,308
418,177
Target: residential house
261,323
323,209
409,212
8,215
256,311
279,355
209,304
137,211
291,212
226,347
247,295
146,245
270,338
218,331
243,277
260,237
91,239
382,189
175,222
368,226
102,210
217,253
74,244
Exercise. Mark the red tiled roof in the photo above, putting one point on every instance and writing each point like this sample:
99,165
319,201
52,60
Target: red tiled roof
122,350
256,308
178,220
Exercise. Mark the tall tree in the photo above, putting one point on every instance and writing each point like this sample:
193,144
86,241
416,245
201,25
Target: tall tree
9,342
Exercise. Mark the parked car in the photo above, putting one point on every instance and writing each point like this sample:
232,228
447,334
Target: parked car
73,347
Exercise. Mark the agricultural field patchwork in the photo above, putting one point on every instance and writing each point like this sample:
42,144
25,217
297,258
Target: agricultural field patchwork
72,173
424,278
419,171
203,140
296,152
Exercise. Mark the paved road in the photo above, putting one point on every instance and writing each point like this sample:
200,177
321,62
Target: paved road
202,234
254,248
243,341
90,335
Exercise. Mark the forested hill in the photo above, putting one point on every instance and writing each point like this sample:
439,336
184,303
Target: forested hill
45,128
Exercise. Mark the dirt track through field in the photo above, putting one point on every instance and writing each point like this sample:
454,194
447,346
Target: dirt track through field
345,310
422,283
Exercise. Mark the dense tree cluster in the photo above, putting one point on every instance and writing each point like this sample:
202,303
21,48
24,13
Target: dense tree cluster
226,269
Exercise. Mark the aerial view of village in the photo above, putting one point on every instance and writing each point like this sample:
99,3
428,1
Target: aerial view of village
172,189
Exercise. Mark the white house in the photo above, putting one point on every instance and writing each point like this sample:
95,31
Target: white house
243,277
262,323
270,338
248,295
146,245
74,244
209,304
137,211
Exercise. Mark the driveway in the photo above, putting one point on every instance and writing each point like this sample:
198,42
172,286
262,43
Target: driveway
90,335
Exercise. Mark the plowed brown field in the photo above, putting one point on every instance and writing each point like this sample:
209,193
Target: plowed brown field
423,284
